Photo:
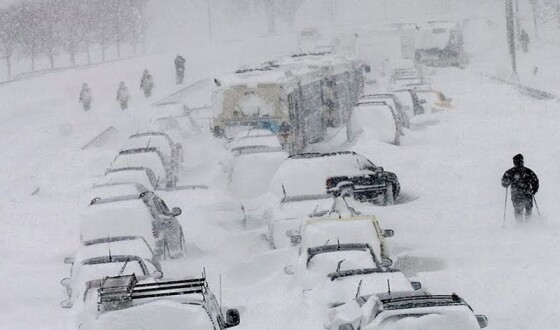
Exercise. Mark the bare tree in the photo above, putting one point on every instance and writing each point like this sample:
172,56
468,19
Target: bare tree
30,36
9,34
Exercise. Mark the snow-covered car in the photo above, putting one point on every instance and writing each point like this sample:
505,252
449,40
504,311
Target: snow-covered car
405,310
140,175
316,262
286,217
151,158
126,303
204,204
252,163
342,286
336,173
172,151
374,121
392,100
411,103
434,100
145,215
365,229
89,272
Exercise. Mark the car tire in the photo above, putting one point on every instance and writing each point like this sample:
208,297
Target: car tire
388,196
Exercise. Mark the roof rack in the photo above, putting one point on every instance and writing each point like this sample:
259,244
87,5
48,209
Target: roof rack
119,292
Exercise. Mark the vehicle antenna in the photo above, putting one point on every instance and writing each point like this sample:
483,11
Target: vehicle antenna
284,190
338,244
327,242
388,286
109,245
339,264
359,287
149,141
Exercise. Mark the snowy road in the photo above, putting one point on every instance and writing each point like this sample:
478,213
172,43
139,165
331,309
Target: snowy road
449,236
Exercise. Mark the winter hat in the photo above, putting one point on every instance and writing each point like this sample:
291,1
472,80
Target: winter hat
518,160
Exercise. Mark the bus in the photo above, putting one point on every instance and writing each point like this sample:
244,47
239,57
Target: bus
304,92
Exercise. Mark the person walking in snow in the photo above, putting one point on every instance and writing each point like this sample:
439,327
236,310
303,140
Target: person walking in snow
524,185
284,132
524,40
147,83
86,97
123,95
180,68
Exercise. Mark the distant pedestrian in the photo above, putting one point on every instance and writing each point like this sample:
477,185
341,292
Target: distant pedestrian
180,69
524,40
524,185
123,95
284,132
86,97
147,83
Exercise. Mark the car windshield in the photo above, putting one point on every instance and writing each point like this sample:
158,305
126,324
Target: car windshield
157,315
328,262
442,318
90,272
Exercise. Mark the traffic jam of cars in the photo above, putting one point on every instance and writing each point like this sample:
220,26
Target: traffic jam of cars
322,204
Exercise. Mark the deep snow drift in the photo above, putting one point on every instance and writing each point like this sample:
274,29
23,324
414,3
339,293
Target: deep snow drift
448,235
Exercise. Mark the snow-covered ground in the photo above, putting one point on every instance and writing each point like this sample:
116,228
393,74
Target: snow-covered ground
449,232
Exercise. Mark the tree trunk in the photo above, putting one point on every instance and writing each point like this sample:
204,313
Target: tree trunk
88,50
9,66
51,58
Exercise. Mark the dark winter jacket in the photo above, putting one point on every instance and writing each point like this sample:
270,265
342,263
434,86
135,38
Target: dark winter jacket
147,82
180,63
522,180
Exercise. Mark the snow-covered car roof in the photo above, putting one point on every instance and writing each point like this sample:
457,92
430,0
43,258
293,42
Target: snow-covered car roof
111,190
307,174
160,314
375,121
122,245
118,218
139,175
269,141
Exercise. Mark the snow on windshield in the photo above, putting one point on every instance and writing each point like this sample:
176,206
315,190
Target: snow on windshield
90,272
444,318
156,316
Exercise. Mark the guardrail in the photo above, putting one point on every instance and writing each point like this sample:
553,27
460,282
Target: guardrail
525,90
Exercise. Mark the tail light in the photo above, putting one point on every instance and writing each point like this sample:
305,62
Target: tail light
330,183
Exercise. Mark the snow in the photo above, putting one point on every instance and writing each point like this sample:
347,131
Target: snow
121,218
448,226
133,247
150,160
372,122
156,315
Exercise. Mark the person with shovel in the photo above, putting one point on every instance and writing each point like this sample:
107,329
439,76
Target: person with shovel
524,185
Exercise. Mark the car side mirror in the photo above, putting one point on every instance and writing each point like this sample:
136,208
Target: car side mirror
69,260
449,99
157,274
388,233
289,270
295,239
68,303
386,262
66,282
380,169
346,326
416,285
232,318
482,321
176,211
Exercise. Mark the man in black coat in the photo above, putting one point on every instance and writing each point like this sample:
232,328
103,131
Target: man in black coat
180,68
524,185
